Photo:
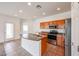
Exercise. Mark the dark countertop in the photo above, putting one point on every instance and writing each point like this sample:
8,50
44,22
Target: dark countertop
57,34
38,37
33,37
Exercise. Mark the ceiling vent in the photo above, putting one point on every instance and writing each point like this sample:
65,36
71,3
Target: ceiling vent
38,6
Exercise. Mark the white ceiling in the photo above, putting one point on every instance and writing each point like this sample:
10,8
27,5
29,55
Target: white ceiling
31,12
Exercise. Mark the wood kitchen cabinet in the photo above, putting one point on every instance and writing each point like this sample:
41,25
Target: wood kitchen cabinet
54,50
58,23
44,44
50,49
42,25
60,40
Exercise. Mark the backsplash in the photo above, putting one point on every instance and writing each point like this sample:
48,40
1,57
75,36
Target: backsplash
48,30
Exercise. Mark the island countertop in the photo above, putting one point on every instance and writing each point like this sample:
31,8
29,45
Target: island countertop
37,37
32,36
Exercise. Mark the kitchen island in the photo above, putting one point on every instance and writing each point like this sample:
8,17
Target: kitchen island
32,44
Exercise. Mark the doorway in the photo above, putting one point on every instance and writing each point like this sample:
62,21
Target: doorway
9,31
25,30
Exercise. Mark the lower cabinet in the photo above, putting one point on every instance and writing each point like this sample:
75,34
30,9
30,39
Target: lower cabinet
53,50
43,45
60,40
48,49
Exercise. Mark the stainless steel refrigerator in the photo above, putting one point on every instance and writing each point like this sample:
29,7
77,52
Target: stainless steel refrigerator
68,37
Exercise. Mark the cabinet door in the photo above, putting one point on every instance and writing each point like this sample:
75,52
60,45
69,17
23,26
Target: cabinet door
60,40
63,41
43,45
42,25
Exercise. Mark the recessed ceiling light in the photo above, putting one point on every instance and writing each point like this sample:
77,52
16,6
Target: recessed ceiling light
29,3
44,13
58,9
20,11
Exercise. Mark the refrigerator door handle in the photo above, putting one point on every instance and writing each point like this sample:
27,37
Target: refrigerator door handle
72,43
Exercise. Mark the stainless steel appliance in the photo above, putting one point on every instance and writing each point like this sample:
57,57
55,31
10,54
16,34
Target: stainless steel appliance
52,37
52,26
68,37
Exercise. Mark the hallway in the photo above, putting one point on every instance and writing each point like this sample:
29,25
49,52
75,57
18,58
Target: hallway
13,48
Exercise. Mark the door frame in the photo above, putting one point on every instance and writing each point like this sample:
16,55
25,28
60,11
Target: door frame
22,26
5,30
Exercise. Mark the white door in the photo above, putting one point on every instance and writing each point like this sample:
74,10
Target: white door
9,31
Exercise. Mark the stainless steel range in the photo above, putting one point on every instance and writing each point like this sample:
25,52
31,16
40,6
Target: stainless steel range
52,37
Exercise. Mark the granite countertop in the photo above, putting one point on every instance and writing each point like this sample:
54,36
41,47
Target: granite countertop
33,37
38,37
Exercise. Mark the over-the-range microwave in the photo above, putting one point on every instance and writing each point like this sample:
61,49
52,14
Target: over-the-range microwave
52,26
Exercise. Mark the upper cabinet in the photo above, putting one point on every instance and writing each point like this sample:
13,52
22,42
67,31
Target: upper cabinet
58,24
